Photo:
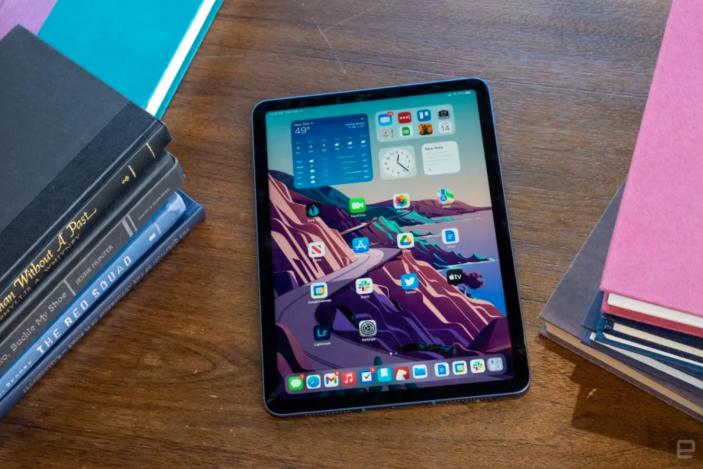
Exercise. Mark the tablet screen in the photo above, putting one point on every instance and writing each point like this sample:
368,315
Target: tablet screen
386,269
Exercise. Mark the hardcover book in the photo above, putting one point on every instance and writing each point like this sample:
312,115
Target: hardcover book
79,267
74,311
71,147
655,258
577,295
142,49
193,215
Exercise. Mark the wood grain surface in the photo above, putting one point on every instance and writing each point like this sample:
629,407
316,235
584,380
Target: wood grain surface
171,377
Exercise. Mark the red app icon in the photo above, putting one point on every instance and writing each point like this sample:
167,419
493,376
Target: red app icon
404,117
349,378
401,373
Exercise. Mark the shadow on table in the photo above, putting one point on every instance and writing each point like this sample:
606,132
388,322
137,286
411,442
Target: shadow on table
610,406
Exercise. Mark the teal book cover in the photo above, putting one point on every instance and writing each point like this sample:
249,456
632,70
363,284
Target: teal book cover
142,48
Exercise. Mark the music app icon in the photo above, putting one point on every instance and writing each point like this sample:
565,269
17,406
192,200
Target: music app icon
348,378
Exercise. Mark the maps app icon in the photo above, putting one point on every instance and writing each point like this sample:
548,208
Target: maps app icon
360,245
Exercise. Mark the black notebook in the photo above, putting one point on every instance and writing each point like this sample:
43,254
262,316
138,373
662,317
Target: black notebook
71,146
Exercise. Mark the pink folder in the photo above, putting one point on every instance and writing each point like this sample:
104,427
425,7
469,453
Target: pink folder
656,253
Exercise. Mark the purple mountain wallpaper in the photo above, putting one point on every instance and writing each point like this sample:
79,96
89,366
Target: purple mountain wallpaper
436,320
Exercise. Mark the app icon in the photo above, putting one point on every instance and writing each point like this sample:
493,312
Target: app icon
495,364
459,367
357,205
384,374
401,201
441,369
425,129
423,115
409,281
386,133
313,209
348,378
443,113
406,131
331,380
397,162
321,332
445,127
295,383
420,371
318,290
405,240
455,276
360,245
450,236
401,373
313,381
366,376
316,249
364,286
405,117
367,328
385,118
445,196
478,365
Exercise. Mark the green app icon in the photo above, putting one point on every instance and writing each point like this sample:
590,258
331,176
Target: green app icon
405,131
357,205
295,383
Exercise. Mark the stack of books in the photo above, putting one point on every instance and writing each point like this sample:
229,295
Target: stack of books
632,300
90,203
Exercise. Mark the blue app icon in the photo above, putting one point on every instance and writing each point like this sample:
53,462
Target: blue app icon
361,244
384,374
409,281
321,332
385,118
423,115
313,381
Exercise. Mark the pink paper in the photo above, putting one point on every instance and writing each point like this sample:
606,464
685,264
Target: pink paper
29,13
656,253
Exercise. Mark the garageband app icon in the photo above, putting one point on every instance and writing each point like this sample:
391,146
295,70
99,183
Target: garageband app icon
331,380
401,201
405,240
360,245
318,290
367,328
405,117
401,373
364,286
316,249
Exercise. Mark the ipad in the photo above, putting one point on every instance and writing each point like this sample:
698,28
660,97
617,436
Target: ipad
386,272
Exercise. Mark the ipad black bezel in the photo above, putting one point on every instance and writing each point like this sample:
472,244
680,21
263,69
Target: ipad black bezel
342,400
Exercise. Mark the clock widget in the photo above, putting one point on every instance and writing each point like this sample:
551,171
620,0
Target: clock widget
397,162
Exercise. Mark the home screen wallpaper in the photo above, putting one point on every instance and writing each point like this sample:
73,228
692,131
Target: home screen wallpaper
385,260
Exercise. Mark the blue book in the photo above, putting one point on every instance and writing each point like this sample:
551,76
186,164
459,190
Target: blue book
167,216
141,48
194,214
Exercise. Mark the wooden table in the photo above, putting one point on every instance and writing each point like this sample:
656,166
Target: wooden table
171,377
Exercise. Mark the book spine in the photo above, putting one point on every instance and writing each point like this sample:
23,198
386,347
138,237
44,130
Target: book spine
92,317
61,288
44,256
166,218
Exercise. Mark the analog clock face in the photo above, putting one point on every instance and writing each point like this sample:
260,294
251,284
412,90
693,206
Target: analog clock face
398,162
